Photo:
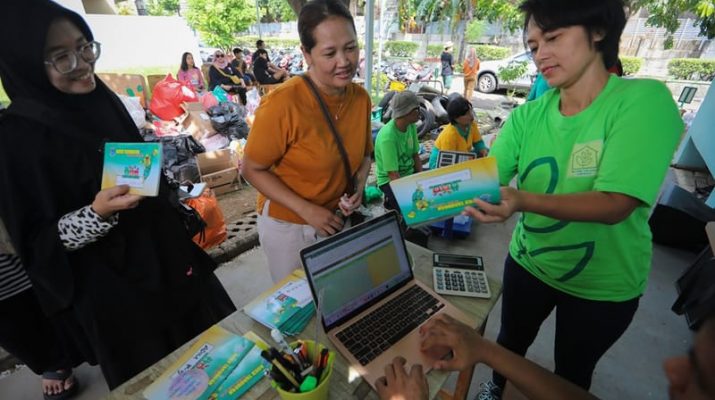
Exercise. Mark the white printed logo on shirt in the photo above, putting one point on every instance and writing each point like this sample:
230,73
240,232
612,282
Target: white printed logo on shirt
585,158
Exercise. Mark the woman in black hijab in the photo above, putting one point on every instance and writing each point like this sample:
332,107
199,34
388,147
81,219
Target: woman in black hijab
124,267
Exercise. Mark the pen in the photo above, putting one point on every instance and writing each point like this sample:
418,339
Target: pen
322,363
287,361
281,369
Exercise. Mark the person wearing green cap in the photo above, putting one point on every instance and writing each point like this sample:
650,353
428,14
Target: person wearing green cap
396,146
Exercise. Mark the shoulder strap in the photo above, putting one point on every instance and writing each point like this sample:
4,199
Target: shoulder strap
336,136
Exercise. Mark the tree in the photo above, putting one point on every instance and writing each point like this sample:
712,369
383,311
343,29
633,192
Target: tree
665,13
162,7
504,11
276,11
218,21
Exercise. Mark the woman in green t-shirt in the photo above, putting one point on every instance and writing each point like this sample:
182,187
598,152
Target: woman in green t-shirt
584,187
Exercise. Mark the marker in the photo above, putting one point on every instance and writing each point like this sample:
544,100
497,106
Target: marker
322,363
309,383
281,368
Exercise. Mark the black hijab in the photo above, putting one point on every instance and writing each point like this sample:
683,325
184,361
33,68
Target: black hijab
50,166
23,74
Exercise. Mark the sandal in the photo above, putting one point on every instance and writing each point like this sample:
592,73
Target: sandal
61,376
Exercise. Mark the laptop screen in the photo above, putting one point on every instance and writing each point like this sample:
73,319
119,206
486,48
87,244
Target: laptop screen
356,268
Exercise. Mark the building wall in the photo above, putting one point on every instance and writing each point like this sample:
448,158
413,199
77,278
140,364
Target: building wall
135,41
141,41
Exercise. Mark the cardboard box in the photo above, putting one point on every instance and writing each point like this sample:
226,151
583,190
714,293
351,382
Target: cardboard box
196,121
218,169
132,85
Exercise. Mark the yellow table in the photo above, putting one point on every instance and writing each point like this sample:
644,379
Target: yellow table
341,387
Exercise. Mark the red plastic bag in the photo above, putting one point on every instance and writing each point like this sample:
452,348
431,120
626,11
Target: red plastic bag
167,97
208,100
215,231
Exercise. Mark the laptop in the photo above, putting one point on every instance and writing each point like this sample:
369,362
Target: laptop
370,303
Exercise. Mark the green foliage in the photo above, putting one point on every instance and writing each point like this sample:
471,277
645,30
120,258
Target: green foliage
692,69
401,48
280,43
218,21
475,30
249,42
504,11
487,52
512,72
276,11
406,12
379,81
162,7
434,50
125,8
631,65
454,10
665,13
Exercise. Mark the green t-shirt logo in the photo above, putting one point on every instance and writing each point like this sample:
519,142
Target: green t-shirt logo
584,159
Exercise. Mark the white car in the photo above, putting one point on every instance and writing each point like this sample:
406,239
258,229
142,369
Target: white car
488,75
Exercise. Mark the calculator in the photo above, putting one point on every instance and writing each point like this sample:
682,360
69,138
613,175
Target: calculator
460,276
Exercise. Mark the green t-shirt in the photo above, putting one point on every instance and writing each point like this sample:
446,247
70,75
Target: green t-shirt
623,142
394,151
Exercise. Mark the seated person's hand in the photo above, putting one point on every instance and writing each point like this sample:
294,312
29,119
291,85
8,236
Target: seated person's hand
397,384
483,153
444,332
109,201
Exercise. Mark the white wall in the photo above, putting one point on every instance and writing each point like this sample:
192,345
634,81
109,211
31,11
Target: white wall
133,41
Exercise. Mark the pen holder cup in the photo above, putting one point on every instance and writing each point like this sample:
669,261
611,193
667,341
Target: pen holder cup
321,390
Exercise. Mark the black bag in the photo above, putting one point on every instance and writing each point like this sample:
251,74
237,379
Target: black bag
194,224
696,290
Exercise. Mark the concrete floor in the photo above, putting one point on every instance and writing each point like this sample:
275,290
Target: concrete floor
630,370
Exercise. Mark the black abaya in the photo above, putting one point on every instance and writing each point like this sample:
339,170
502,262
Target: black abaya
145,288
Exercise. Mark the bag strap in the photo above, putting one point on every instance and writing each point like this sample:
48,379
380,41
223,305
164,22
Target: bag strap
338,140
225,74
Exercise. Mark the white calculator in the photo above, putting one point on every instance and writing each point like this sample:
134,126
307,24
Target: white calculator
460,276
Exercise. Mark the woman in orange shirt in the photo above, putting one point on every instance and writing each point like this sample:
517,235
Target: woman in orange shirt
292,158
470,69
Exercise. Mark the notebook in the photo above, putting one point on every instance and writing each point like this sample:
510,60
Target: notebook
362,278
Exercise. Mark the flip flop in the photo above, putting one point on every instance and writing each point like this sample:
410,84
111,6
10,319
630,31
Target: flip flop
61,376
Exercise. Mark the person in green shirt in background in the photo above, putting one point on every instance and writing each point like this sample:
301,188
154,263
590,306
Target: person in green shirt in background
589,158
396,147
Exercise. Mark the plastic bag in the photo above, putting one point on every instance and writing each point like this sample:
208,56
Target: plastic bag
228,119
215,142
135,110
208,100
215,231
253,99
220,94
168,96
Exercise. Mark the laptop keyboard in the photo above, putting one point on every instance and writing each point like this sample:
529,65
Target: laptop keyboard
377,331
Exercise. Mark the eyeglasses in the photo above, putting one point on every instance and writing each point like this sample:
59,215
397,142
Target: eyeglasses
219,55
66,62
